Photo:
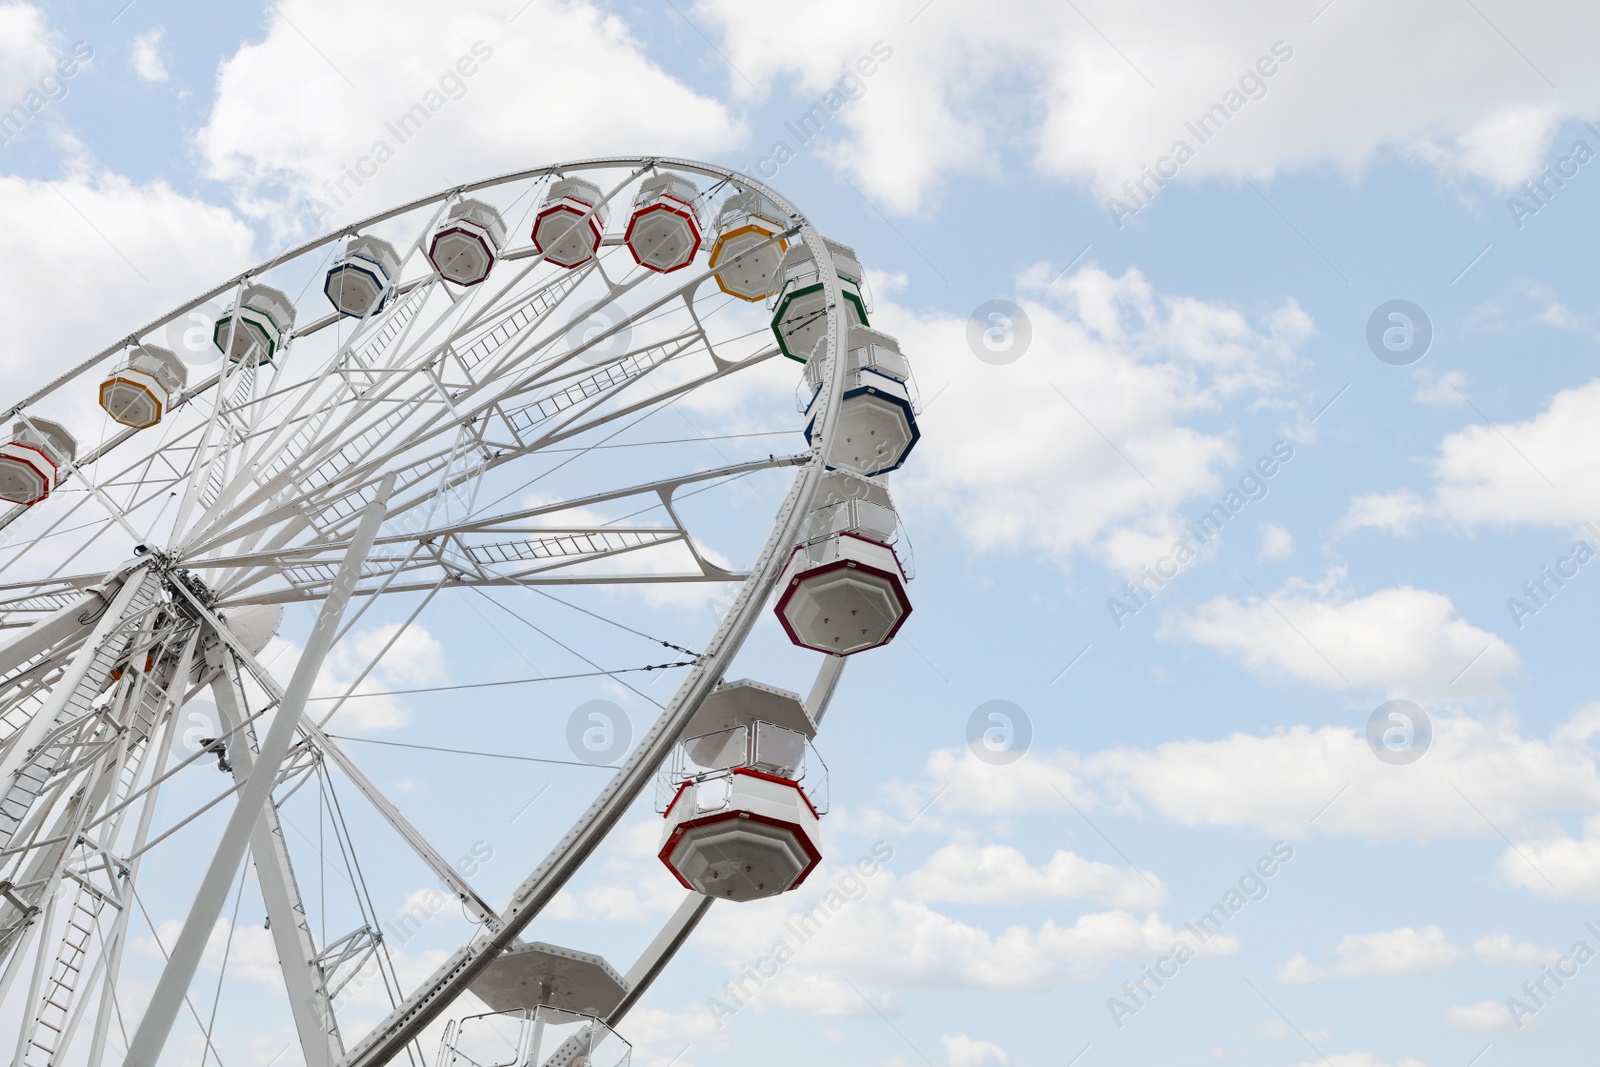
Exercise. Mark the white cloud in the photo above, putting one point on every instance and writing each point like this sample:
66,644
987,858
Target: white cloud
628,884
417,660
1482,1017
1504,147
1359,1059
1277,543
25,50
137,249
1558,868
615,903
1397,512
1098,103
885,944
1276,784
1280,1029
960,782
963,1051
1584,724
1083,444
1561,317
1411,951
1441,390
999,874
1402,951
419,908
1534,472
146,60
1280,782
250,953
661,1038
1502,950
896,138
1401,639
277,139
635,893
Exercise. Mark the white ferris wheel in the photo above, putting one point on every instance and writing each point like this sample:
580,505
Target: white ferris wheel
348,445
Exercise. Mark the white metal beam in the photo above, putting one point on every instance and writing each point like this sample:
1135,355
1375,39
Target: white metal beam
286,915
151,1036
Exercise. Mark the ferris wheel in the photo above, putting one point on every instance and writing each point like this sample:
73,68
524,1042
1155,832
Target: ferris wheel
163,501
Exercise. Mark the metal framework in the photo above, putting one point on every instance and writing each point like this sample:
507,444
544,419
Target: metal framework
346,468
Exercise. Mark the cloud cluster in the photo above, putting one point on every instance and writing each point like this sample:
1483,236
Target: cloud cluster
1476,773
415,660
147,61
1529,472
963,1051
1408,950
132,252
1556,866
1403,640
1483,1016
1094,102
1360,1059
360,66
1087,442
999,874
887,944
27,50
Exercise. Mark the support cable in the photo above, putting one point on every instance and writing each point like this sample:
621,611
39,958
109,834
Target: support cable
222,970
156,937
369,911
509,681
637,692
470,752
613,622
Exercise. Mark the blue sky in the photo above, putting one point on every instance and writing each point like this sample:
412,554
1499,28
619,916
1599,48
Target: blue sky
1167,356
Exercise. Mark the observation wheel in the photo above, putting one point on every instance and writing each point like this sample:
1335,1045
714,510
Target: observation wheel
462,397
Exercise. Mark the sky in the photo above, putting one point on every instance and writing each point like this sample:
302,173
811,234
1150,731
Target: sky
1254,516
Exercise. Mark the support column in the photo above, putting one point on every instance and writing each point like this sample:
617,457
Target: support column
654,959
291,936
151,1036
822,689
